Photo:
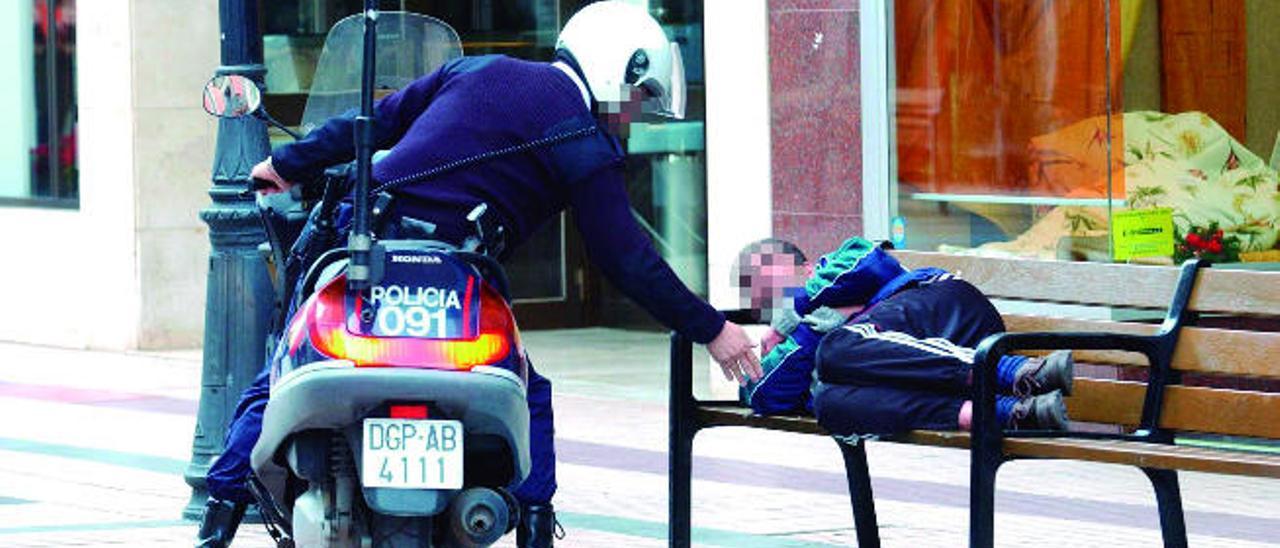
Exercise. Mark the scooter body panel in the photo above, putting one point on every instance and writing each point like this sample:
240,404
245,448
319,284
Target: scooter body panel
490,403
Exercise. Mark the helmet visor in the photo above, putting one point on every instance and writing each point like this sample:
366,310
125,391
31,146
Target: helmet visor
677,96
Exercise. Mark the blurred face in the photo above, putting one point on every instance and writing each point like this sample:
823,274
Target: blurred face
769,278
618,116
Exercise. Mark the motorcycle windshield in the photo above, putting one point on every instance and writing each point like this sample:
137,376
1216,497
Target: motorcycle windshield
410,46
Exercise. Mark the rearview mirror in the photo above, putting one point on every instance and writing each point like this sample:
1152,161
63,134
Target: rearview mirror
231,96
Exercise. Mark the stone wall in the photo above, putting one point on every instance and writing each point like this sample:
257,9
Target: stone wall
816,137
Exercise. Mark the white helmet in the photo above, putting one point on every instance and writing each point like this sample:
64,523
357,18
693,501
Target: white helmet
618,45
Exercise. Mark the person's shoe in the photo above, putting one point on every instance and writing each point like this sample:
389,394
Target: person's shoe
221,519
1042,412
1043,375
538,526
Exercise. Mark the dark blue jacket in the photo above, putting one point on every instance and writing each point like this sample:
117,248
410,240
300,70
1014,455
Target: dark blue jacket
517,135
859,273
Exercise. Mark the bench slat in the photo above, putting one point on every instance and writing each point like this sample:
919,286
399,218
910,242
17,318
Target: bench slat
742,416
725,415
1200,349
1178,457
1187,408
1109,451
1237,292
1196,409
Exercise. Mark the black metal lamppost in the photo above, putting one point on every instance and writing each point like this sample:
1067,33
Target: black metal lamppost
239,294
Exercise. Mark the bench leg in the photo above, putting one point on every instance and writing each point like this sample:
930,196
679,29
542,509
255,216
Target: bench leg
679,510
982,496
1169,499
683,427
860,495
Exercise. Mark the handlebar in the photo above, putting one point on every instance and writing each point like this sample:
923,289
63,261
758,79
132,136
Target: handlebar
259,184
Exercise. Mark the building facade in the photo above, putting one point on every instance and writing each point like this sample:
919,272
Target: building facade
108,251
972,126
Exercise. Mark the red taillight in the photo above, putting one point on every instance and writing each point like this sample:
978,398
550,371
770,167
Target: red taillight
330,336
408,411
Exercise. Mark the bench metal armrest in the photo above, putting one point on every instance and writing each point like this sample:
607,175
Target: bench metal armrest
1158,349
996,346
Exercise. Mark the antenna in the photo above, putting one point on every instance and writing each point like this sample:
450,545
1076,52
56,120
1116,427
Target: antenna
360,241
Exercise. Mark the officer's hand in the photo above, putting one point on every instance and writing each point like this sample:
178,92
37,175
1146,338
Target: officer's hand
265,172
735,352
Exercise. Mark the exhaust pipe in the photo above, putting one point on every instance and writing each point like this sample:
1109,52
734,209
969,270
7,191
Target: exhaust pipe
480,516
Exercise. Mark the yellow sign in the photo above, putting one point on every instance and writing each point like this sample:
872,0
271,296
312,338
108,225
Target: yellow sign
1142,233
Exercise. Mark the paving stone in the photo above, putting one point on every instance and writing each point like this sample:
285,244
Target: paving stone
93,445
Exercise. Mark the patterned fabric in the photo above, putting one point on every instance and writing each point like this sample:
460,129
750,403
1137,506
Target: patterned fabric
1225,199
1212,182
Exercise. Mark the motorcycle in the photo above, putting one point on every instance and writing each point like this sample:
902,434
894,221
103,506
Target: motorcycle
397,414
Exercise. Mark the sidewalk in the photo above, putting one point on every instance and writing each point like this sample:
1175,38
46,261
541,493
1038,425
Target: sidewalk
93,445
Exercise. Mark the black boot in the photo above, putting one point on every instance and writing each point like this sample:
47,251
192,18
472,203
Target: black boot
221,519
538,526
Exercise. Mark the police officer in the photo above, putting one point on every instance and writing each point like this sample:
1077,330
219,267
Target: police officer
530,139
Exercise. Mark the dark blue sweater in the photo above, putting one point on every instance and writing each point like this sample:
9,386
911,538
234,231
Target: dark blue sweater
553,154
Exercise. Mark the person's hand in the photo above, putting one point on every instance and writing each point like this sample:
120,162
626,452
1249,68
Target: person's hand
770,339
734,350
266,172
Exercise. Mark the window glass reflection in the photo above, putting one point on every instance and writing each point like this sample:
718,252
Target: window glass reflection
38,159
666,168
1108,130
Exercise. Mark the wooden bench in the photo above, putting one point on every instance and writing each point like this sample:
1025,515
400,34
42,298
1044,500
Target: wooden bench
1156,420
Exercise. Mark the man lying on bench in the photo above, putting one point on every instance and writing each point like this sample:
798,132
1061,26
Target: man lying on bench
893,348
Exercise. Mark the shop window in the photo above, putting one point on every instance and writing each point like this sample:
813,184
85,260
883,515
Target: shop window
1107,130
38,160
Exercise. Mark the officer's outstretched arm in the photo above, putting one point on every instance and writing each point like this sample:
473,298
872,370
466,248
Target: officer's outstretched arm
627,257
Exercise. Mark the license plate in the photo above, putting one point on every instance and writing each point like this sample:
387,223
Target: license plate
412,454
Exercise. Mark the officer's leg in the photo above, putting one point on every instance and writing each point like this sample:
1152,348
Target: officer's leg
537,515
228,496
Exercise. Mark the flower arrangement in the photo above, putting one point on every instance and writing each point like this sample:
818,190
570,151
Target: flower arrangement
1209,243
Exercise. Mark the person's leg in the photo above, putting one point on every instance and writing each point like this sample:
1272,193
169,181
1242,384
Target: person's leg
921,338
862,355
1045,411
956,311
849,410
951,309
537,519
924,337
228,495
228,473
